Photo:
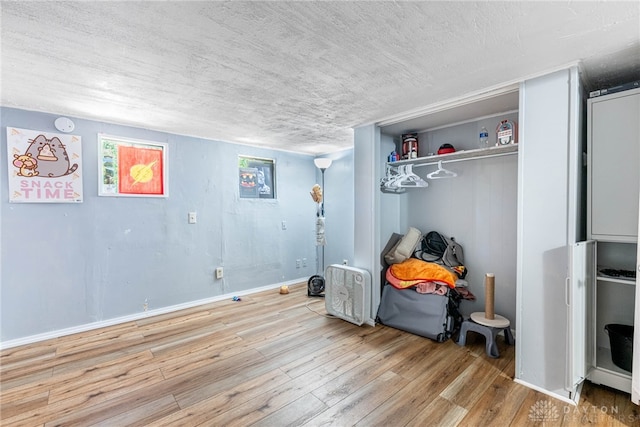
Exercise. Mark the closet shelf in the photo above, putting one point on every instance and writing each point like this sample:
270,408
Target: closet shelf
630,282
608,274
458,156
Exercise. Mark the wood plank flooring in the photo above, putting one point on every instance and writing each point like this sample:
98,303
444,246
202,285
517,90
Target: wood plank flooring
277,360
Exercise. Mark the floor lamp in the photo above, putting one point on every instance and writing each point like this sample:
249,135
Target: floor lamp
315,286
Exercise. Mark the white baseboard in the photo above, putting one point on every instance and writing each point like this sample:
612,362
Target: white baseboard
137,316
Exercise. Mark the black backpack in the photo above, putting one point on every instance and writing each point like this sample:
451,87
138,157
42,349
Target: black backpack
440,249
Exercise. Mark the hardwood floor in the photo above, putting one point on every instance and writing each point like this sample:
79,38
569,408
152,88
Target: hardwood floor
277,360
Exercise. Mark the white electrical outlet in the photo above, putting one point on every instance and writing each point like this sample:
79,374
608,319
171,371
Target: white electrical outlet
192,218
345,262
284,225
298,263
304,262
219,273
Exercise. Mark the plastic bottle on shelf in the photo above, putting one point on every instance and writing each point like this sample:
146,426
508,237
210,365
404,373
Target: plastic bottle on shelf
484,138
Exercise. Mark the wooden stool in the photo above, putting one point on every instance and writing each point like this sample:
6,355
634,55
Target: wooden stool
490,328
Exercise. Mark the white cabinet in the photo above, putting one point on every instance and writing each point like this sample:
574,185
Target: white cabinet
613,144
604,293
613,134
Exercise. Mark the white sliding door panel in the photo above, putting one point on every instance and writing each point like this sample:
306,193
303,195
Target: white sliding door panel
546,224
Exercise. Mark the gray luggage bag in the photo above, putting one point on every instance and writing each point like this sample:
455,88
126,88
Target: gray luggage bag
436,317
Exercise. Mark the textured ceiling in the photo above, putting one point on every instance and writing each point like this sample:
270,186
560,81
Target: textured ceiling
294,75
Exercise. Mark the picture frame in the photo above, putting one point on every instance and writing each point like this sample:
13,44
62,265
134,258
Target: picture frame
131,167
44,167
256,178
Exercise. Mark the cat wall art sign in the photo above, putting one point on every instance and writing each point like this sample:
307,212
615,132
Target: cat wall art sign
44,167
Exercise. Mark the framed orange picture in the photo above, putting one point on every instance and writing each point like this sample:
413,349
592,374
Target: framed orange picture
133,168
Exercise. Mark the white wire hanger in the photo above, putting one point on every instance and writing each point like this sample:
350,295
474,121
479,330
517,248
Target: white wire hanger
401,177
387,183
441,172
410,179
404,177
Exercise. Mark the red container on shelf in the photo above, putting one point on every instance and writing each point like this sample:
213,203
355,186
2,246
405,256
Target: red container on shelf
409,145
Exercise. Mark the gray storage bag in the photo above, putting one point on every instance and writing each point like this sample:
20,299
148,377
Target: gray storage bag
429,315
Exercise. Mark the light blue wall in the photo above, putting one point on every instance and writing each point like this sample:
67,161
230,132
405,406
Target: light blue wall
69,265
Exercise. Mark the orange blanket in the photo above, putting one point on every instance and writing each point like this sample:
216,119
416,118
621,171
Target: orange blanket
413,271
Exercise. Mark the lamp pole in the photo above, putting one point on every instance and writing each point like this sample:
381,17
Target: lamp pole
322,164
322,214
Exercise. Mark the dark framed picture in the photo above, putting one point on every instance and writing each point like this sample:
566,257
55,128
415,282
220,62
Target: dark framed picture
256,178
